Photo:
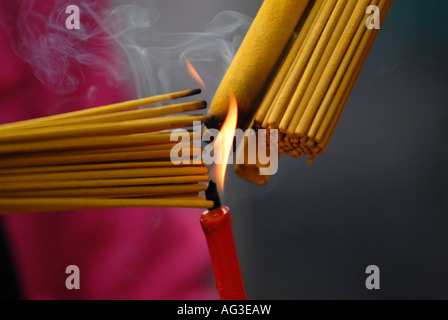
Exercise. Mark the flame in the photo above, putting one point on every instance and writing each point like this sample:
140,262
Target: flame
224,142
194,74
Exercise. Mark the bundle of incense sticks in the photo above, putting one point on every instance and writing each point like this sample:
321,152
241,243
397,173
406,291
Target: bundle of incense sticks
112,156
313,83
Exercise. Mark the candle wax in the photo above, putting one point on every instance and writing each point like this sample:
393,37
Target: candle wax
217,226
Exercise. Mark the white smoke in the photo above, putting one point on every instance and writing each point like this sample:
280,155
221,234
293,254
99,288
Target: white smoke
120,44
157,60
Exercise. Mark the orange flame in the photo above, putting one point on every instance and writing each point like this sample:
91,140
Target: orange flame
194,74
224,142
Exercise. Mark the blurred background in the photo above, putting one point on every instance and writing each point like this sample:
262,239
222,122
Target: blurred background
379,196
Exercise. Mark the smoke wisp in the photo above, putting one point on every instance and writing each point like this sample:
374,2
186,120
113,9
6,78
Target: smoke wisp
120,44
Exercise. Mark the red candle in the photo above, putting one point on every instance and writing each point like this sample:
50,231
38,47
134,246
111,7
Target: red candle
217,226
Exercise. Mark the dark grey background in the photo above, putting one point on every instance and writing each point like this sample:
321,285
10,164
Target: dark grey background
379,194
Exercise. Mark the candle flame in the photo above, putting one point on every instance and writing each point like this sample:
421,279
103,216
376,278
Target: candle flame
194,74
224,142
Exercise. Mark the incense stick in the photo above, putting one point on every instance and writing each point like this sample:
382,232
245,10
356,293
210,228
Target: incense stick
90,167
74,184
121,106
107,174
89,143
26,205
112,191
124,127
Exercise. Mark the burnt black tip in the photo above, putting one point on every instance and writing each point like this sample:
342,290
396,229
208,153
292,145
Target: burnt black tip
212,194
196,91
213,122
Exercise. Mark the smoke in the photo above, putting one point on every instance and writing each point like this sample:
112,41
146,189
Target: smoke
163,54
56,54
120,44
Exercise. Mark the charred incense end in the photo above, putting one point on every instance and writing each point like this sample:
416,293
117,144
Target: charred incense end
213,122
212,194
195,91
